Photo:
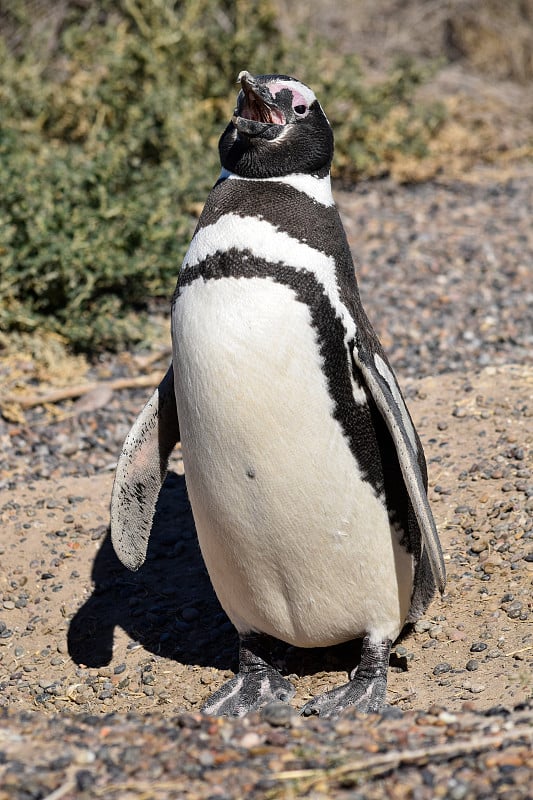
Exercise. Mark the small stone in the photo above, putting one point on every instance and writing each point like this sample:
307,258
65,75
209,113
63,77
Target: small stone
190,613
279,715
447,717
250,739
514,610
472,665
442,668
46,683
84,757
423,625
206,759
84,780
478,647
474,688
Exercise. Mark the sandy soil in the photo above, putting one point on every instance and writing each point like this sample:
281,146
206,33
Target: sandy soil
80,632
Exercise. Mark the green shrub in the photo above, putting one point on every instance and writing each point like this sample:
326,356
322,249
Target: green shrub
110,118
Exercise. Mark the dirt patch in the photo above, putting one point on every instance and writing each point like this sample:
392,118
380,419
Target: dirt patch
78,631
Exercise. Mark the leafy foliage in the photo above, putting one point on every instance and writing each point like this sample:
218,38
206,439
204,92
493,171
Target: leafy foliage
111,115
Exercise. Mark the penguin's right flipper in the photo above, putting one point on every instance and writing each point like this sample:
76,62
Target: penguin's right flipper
387,396
141,470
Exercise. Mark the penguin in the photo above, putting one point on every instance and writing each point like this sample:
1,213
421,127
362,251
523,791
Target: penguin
306,477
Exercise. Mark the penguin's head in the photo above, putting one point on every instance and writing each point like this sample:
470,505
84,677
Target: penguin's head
278,128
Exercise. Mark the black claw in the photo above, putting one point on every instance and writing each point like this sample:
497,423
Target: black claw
256,684
366,690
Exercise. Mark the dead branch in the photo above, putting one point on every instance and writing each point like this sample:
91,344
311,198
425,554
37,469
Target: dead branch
70,392
382,762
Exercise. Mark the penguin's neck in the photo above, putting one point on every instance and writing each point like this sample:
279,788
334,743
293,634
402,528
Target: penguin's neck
318,189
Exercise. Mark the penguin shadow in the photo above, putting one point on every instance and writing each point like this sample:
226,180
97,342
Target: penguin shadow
168,606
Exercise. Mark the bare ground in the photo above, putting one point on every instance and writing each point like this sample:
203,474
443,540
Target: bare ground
85,622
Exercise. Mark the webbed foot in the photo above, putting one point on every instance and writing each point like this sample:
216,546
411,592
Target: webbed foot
366,690
256,684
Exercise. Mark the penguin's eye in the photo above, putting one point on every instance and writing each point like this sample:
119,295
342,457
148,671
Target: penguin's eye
300,110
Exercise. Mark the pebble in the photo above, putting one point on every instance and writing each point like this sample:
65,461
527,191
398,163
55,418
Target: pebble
249,740
278,714
441,669
83,757
190,614
474,688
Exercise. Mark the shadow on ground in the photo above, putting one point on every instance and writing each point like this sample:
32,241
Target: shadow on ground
168,606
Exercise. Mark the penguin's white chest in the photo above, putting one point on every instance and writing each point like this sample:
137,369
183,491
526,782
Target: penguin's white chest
297,545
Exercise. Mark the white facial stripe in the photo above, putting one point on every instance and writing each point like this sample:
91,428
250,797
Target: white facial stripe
388,377
318,189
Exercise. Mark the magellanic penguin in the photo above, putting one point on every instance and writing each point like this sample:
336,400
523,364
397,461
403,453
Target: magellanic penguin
306,477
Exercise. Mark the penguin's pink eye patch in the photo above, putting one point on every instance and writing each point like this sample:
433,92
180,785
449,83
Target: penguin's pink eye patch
300,103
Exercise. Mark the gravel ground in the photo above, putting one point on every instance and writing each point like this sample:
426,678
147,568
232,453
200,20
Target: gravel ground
445,274
433,754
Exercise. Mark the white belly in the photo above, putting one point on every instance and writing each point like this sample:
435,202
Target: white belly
296,544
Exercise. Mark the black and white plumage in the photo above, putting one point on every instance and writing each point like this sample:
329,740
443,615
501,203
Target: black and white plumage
306,477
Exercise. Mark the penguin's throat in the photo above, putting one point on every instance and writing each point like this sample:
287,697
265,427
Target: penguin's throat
254,109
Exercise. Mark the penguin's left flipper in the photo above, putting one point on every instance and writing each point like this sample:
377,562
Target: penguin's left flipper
141,470
386,394
366,690
256,683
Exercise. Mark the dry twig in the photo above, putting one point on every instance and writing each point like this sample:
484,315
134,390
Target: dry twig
383,762
70,392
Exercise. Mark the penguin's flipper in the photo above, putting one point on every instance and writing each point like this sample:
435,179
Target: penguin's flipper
141,470
386,393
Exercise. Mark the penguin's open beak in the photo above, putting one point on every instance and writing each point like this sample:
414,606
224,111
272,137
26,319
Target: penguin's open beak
256,110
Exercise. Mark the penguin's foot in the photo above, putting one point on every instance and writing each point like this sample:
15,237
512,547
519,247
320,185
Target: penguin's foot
366,689
256,684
